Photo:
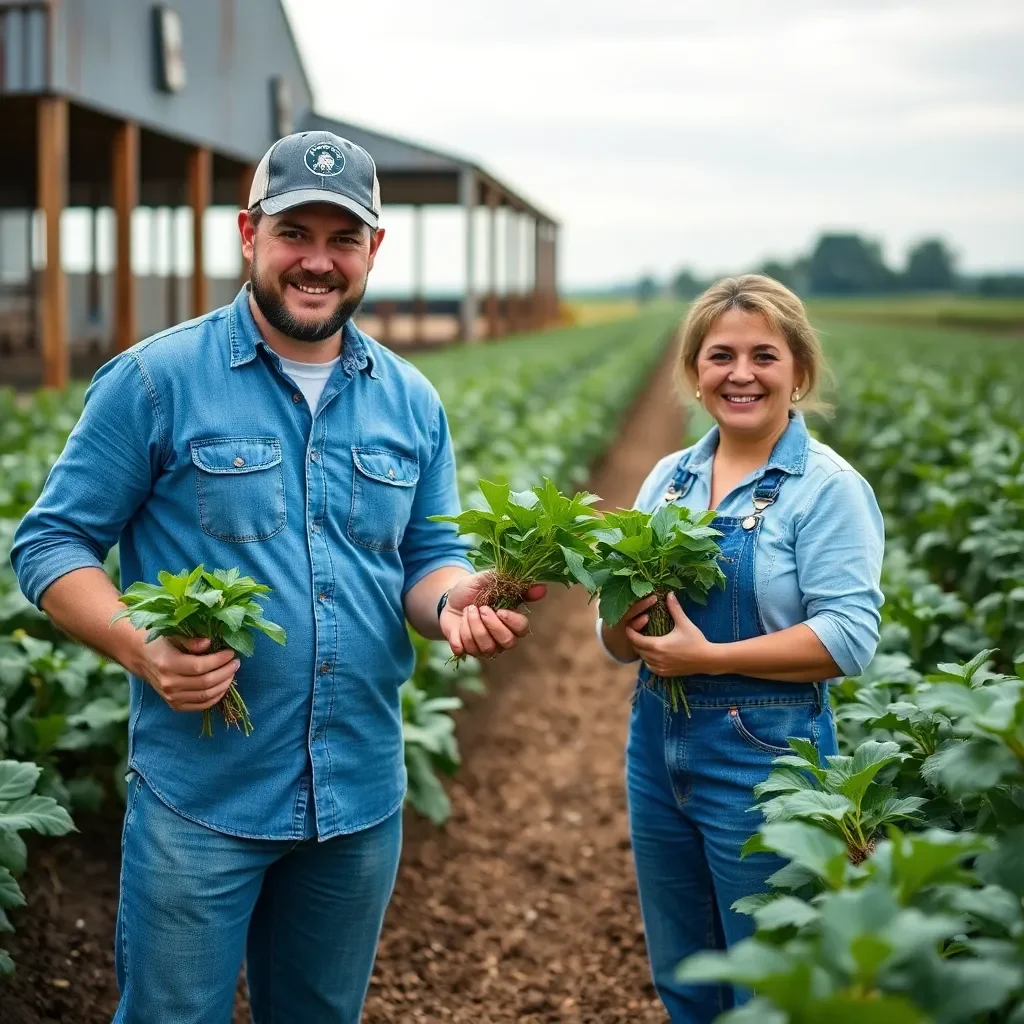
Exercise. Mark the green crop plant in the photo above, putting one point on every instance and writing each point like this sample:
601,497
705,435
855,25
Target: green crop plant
640,553
222,605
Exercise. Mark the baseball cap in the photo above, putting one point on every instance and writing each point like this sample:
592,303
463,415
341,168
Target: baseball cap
317,167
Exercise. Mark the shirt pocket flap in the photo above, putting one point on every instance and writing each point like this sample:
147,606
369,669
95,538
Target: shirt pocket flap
236,454
386,467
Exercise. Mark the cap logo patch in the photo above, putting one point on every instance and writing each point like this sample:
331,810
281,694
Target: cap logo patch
325,159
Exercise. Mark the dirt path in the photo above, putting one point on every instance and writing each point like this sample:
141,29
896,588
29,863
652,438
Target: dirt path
523,908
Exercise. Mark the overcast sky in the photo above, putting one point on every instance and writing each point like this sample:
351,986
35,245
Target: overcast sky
663,133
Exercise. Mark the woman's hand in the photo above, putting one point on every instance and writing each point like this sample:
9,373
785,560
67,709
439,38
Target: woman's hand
683,652
615,639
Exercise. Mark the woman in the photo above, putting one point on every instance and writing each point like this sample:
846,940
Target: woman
801,547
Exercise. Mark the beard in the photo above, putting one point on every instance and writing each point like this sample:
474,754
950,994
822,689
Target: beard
272,305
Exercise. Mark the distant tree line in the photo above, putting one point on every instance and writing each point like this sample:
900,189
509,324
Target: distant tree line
851,265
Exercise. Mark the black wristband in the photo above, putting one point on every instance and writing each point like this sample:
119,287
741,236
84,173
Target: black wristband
441,603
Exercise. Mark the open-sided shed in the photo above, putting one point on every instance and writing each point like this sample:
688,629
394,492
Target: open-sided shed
121,103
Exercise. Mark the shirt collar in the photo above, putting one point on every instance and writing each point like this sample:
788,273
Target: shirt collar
788,455
244,336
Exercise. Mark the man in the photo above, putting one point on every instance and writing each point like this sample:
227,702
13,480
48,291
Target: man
274,436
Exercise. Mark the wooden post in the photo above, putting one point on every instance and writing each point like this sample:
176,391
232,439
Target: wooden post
468,200
492,262
512,227
418,298
539,265
244,186
556,314
200,173
173,282
52,192
126,198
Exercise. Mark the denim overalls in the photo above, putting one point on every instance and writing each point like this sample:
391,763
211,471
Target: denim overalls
690,780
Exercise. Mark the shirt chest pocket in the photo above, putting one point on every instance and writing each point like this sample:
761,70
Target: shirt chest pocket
240,487
383,488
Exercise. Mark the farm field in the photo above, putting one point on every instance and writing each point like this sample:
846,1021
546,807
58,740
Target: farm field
957,311
903,901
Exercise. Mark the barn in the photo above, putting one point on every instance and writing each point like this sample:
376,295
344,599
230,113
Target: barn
112,106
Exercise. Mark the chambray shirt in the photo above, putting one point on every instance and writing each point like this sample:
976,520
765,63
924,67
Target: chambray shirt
819,551
195,446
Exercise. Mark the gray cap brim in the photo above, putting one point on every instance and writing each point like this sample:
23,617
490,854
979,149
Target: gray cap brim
304,196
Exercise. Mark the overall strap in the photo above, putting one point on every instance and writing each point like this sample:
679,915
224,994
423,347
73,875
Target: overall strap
765,493
682,480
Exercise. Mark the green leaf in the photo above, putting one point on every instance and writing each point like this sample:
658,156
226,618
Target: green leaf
616,599
39,813
271,629
175,585
17,779
241,640
808,846
13,852
806,804
577,570
965,767
10,894
496,495
232,616
785,912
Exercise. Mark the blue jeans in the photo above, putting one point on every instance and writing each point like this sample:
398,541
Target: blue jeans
690,783
304,915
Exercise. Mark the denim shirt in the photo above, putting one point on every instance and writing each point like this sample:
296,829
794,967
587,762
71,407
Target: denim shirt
195,446
819,551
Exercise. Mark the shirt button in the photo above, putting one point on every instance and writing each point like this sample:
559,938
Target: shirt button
391,474
313,456
325,668
239,461
315,527
321,597
296,398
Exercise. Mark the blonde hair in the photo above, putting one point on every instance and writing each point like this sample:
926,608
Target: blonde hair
781,310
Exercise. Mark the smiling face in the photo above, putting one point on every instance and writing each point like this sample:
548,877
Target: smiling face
747,374
308,267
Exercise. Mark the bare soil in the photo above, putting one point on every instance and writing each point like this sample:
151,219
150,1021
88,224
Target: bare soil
522,908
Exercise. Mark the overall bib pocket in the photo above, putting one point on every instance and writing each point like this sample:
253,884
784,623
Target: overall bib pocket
240,487
383,488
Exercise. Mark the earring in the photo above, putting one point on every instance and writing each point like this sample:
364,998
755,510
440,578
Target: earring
697,396
796,395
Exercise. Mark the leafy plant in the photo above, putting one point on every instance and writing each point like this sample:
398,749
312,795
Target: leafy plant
528,537
640,553
221,605
844,796
21,810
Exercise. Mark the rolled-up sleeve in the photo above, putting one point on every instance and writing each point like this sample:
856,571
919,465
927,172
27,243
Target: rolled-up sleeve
101,478
840,539
427,546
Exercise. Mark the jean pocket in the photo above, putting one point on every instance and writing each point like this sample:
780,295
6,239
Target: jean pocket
383,488
767,727
240,487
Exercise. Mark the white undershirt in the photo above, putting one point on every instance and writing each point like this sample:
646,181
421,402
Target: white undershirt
310,377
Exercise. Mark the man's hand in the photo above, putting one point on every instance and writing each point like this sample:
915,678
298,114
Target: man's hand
186,678
482,632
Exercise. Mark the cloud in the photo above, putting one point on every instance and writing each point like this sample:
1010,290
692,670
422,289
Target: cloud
662,134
